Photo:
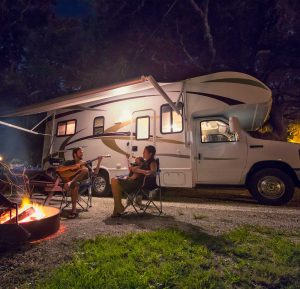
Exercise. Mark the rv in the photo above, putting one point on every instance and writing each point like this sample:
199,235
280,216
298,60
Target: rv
199,127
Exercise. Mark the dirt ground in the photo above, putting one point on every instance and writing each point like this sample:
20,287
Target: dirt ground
210,210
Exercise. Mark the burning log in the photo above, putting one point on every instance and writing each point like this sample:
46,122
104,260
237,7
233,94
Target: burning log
27,213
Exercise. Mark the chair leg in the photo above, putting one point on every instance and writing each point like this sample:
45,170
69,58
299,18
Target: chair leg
151,201
90,197
64,201
48,198
132,202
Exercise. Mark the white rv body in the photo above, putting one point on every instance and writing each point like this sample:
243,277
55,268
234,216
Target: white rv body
203,152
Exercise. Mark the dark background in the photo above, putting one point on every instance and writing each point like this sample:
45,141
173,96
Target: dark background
52,48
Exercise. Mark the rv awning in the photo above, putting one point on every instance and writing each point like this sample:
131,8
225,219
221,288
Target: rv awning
81,98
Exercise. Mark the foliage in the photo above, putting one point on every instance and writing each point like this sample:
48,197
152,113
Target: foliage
294,132
247,257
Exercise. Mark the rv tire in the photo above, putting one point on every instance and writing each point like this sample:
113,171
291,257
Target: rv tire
271,186
101,186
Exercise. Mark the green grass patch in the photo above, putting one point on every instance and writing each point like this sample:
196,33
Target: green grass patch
244,258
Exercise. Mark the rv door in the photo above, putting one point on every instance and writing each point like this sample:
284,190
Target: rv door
220,157
143,131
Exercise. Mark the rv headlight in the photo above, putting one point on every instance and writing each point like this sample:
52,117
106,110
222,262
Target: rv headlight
1,158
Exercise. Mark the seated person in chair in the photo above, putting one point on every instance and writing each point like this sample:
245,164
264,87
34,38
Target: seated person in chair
149,167
81,174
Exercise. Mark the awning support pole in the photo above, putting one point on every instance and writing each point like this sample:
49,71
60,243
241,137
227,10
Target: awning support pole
21,128
41,122
151,79
52,132
182,91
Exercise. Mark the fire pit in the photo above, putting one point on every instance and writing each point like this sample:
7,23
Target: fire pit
26,222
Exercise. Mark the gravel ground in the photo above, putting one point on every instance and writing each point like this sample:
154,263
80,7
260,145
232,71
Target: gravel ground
209,210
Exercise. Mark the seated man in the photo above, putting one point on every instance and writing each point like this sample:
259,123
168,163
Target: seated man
81,174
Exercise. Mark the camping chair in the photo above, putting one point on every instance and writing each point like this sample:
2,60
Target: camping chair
45,182
85,189
147,195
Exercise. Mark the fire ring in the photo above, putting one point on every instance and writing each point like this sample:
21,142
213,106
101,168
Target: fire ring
12,233
45,226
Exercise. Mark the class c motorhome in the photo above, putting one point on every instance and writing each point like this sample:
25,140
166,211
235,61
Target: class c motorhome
199,127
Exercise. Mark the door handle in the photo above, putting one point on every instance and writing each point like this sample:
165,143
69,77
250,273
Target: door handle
199,156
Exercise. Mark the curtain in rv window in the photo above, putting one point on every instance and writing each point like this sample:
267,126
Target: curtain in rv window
170,121
65,128
98,127
142,128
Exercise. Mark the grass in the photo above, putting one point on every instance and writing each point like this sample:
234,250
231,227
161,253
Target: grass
247,257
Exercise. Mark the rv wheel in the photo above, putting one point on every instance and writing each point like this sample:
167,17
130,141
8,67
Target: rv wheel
101,187
271,187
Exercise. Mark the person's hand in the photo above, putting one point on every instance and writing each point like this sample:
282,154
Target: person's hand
100,159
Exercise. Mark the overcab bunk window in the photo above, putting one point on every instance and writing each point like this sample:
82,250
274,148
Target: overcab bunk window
67,127
98,125
170,121
142,128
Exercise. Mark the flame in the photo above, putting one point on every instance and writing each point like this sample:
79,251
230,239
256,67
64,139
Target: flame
26,204
38,210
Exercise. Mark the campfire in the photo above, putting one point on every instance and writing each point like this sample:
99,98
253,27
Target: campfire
25,213
29,221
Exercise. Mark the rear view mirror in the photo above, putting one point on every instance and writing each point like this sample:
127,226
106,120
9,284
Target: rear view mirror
234,125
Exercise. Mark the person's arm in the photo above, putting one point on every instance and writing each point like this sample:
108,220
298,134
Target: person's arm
96,171
128,164
152,171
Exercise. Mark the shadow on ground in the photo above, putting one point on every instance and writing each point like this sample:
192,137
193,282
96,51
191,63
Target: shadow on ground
217,195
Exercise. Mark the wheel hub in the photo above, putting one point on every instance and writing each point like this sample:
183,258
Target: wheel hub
99,184
271,187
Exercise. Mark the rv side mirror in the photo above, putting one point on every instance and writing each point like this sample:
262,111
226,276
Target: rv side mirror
234,125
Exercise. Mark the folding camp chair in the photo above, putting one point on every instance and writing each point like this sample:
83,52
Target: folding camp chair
148,195
43,182
85,189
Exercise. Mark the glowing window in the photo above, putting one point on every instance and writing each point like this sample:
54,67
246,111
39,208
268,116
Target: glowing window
67,127
143,128
98,125
216,131
171,122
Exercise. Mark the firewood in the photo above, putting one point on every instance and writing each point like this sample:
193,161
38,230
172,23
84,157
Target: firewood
21,216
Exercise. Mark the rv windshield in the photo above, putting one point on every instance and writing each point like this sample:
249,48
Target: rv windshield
216,131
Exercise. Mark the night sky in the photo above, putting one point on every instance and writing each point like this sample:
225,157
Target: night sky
52,48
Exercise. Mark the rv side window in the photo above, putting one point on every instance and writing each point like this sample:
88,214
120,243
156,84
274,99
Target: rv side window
216,131
67,127
98,127
170,121
142,128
